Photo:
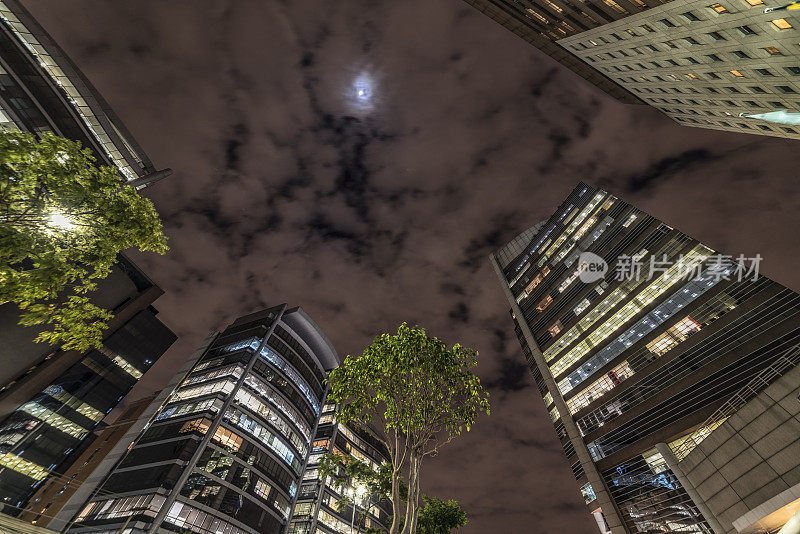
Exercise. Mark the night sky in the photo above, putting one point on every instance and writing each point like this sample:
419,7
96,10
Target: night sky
376,208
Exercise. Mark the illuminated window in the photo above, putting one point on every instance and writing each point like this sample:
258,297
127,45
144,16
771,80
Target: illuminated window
582,305
537,15
690,75
20,465
196,425
771,50
782,24
320,445
719,8
553,6
647,28
554,415
755,2
737,73
227,439
631,32
53,419
555,329
261,489
544,303
616,6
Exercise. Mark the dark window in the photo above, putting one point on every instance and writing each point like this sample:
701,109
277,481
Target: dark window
692,60
740,54
668,23
714,57
757,89
764,72
785,89
793,70
716,36
691,40
746,30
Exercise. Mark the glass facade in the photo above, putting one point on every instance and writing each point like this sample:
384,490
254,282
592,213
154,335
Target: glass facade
42,436
41,90
640,355
227,450
317,509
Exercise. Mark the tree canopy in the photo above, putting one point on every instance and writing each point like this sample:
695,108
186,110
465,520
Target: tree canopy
63,220
419,393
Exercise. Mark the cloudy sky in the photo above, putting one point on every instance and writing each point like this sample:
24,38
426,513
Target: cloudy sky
373,209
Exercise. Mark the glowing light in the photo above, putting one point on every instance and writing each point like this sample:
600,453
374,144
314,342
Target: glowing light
61,221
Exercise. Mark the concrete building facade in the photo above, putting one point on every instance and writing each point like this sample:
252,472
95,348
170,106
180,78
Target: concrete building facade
747,470
631,361
700,63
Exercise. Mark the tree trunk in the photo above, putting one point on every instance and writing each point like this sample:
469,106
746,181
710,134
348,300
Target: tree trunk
409,526
397,505
415,515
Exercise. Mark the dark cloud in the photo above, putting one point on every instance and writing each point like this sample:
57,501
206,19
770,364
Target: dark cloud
286,189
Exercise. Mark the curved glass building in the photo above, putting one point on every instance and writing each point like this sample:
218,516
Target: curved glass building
227,451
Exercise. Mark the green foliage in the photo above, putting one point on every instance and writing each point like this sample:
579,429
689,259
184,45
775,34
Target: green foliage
440,517
63,220
419,393
413,384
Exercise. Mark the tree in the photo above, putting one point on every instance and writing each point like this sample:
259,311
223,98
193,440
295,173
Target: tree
63,220
440,517
343,471
419,393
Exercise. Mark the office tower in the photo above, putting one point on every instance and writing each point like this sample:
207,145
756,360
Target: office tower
700,63
636,333
60,500
227,451
41,90
317,501
56,492
52,400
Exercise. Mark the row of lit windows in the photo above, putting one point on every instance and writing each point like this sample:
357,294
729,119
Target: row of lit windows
669,24
272,395
281,364
600,387
652,291
263,435
220,386
190,518
20,465
234,370
679,300
255,405
148,505
51,68
58,393
177,410
53,419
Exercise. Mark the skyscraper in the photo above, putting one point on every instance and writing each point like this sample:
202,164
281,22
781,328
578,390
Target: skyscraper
700,64
635,334
51,400
41,90
227,451
317,501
